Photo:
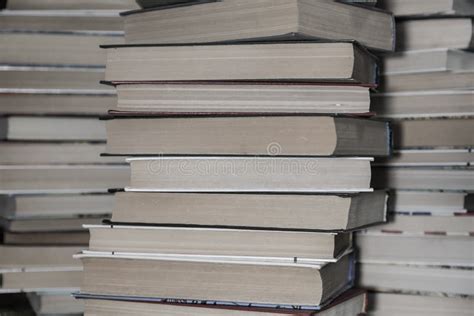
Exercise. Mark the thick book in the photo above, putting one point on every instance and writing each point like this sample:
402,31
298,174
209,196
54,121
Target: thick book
70,5
240,20
344,62
160,277
245,243
51,153
277,136
79,49
46,238
352,302
424,104
427,81
60,280
422,8
250,174
428,61
414,279
425,34
404,248
428,158
61,178
55,206
55,102
242,98
424,178
60,21
447,133
271,211
18,257
455,224
43,128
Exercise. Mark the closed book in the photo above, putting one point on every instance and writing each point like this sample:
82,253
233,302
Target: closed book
61,178
242,98
353,302
271,211
277,136
232,20
250,174
432,33
344,62
421,8
159,277
51,128
246,243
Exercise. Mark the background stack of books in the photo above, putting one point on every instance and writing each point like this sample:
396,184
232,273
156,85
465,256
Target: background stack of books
427,248
52,178
246,176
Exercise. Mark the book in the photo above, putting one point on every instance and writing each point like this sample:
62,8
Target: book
390,304
56,103
432,203
409,8
455,224
234,20
310,62
242,98
70,5
351,302
424,104
53,303
245,243
60,20
46,238
375,247
428,158
49,128
38,281
18,257
46,153
425,34
425,280
20,225
55,206
427,81
277,211
426,178
250,174
61,178
278,136
47,78
154,278
453,133
428,61
54,49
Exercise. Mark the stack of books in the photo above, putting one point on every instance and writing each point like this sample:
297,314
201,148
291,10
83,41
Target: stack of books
427,247
52,178
250,159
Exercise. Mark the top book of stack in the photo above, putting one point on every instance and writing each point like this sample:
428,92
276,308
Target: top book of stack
251,20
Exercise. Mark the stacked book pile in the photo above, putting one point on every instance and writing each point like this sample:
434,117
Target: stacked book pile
250,160
427,248
52,178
